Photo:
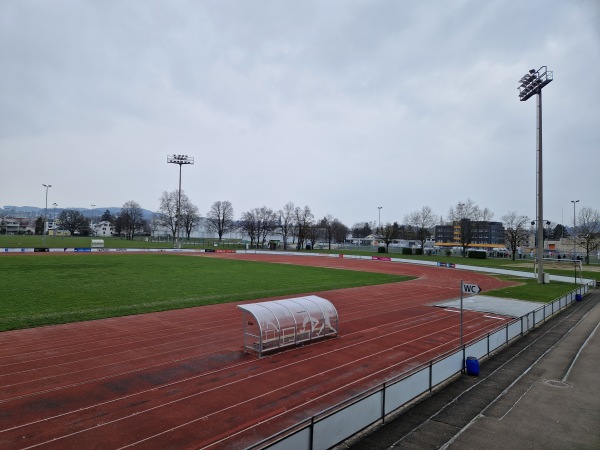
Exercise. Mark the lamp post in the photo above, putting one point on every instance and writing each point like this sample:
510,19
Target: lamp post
54,221
531,84
92,223
47,186
180,160
574,231
379,208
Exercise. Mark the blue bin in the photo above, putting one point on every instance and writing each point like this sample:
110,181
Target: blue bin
472,366
578,297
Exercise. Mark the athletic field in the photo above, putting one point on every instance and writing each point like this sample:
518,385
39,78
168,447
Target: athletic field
180,378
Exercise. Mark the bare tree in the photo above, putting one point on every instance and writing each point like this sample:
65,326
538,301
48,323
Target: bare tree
327,226
249,225
131,219
404,231
515,231
189,216
421,222
340,231
286,222
220,218
587,231
267,223
467,218
313,234
486,215
167,212
304,220
258,223
387,234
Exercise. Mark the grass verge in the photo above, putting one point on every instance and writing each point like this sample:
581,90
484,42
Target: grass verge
530,290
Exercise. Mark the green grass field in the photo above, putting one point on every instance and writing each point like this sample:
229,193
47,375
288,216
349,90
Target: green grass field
18,241
51,289
591,271
528,289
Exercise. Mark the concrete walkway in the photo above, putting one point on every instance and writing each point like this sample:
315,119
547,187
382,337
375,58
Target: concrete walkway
542,392
494,305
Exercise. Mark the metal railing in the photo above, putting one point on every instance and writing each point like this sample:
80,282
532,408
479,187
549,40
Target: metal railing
343,420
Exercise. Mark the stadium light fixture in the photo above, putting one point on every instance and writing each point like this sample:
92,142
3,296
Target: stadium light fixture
180,160
531,84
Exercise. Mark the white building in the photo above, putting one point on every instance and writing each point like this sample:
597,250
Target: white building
103,228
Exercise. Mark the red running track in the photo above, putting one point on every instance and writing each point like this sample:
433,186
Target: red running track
179,379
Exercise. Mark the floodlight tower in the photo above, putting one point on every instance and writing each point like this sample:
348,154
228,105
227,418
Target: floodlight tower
181,160
531,84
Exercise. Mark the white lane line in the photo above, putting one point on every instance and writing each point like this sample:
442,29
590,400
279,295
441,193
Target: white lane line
564,380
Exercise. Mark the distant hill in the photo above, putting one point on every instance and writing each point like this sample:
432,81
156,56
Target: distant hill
34,211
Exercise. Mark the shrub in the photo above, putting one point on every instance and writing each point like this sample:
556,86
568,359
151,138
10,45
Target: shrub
406,251
475,254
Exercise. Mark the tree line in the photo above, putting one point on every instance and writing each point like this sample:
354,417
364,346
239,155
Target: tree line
298,226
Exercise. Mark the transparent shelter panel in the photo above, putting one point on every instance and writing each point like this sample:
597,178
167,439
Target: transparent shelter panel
286,322
313,320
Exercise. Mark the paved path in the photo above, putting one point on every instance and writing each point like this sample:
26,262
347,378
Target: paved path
494,305
543,392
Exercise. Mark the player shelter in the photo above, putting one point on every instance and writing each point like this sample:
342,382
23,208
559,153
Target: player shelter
273,325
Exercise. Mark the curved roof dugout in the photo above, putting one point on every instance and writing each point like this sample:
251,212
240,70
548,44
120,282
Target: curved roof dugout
269,326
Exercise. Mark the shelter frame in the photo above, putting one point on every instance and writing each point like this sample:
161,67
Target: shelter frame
270,326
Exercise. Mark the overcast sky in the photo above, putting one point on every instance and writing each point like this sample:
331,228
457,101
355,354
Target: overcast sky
341,105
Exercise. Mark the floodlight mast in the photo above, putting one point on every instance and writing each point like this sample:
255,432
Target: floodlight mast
531,84
180,160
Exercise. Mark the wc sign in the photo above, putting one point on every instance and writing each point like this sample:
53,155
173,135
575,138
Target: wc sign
465,288
470,288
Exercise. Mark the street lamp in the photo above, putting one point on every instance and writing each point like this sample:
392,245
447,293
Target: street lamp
574,232
181,160
47,186
54,221
92,223
531,84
